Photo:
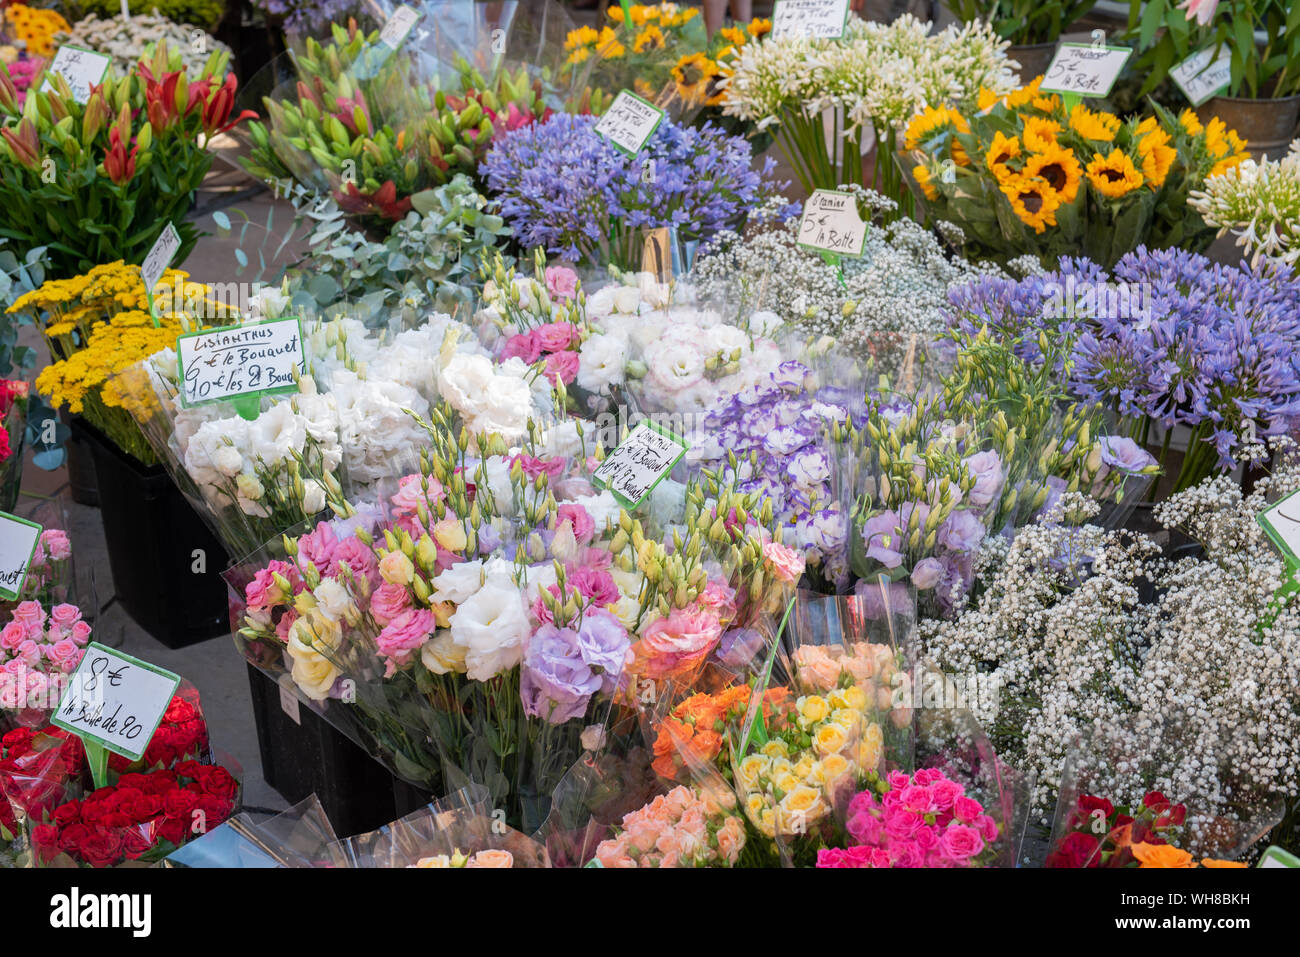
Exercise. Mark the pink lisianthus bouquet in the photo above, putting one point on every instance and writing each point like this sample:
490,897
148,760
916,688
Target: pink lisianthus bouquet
38,649
921,820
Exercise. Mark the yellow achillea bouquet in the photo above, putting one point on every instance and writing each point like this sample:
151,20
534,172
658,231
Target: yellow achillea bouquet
96,326
1024,175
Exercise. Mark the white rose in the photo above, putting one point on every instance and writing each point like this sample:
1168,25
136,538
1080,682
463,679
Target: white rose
458,582
627,299
277,433
465,381
313,499
492,626
602,363
600,303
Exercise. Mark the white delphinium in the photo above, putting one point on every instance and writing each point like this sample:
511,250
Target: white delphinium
1259,203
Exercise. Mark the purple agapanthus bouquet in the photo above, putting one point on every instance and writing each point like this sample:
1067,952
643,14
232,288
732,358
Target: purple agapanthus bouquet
562,186
1168,340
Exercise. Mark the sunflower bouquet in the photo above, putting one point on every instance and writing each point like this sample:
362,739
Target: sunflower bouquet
1025,174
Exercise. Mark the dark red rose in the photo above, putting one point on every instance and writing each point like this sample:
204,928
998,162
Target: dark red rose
180,710
1172,817
116,820
179,803
174,829
144,808
70,837
221,783
136,842
1088,803
94,812
215,810
190,769
1076,850
161,751
1155,800
102,847
1122,820
160,782
134,780
45,839
66,814
17,738
118,763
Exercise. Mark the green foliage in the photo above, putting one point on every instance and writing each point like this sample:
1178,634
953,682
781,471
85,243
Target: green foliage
1024,22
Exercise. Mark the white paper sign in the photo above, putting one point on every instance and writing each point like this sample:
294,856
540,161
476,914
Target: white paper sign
633,469
1084,70
398,26
1276,857
289,700
1201,76
810,18
160,257
239,360
18,538
830,222
1282,522
81,68
116,700
629,122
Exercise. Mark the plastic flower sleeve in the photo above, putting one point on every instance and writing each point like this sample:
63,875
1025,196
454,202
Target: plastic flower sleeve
298,837
1124,786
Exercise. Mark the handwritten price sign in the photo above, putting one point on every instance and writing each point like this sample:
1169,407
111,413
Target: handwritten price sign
18,538
81,68
398,27
1201,76
824,19
115,701
1282,523
1084,70
830,223
240,360
629,122
633,469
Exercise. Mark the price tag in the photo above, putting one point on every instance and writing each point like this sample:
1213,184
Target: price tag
1084,69
825,19
81,68
115,701
255,359
1202,76
160,257
1276,857
397,28
633,469
289,699
18,538
830,223
1282,523
629,122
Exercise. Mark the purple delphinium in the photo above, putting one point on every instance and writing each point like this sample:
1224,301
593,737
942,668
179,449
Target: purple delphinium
564,187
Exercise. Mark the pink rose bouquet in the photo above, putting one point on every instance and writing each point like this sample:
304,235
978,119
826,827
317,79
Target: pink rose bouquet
677,829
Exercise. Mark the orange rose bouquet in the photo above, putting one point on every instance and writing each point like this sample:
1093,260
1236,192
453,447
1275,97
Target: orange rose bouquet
1024,174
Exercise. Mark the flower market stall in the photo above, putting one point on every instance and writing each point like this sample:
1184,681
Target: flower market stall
584,439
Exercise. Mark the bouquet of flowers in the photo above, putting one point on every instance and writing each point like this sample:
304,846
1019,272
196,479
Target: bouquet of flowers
106,170
49,578
1099,834
38,650
13,422
95,326
920,820
682,828
1023,175
874,74
375,133
1259,203
636,50
1173,340
562,186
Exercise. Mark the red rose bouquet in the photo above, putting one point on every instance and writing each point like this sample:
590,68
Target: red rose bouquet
144,817
1099,834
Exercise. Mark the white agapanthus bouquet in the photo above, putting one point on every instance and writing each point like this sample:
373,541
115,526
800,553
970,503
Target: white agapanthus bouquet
1077,626
876,75
1259,203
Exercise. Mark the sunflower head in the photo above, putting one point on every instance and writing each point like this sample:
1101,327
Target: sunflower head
924,180
1018,98
1033,201
1094,126
1114,175
1003,151
1190,122
1039,133
692,75
1059,168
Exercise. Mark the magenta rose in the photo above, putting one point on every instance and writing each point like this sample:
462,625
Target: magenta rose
961,843
967,810
945,792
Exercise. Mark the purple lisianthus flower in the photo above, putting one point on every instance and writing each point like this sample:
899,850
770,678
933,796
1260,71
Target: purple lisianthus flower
738,647
987,469
489,539
808,469
826,531
1122,453
791,375
927,573
786,440
884,539
555,683
962,532
603,645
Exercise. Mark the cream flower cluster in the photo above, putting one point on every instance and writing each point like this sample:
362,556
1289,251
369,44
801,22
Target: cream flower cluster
1259,203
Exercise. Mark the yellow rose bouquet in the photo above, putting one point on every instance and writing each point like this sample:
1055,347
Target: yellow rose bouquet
1024,174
